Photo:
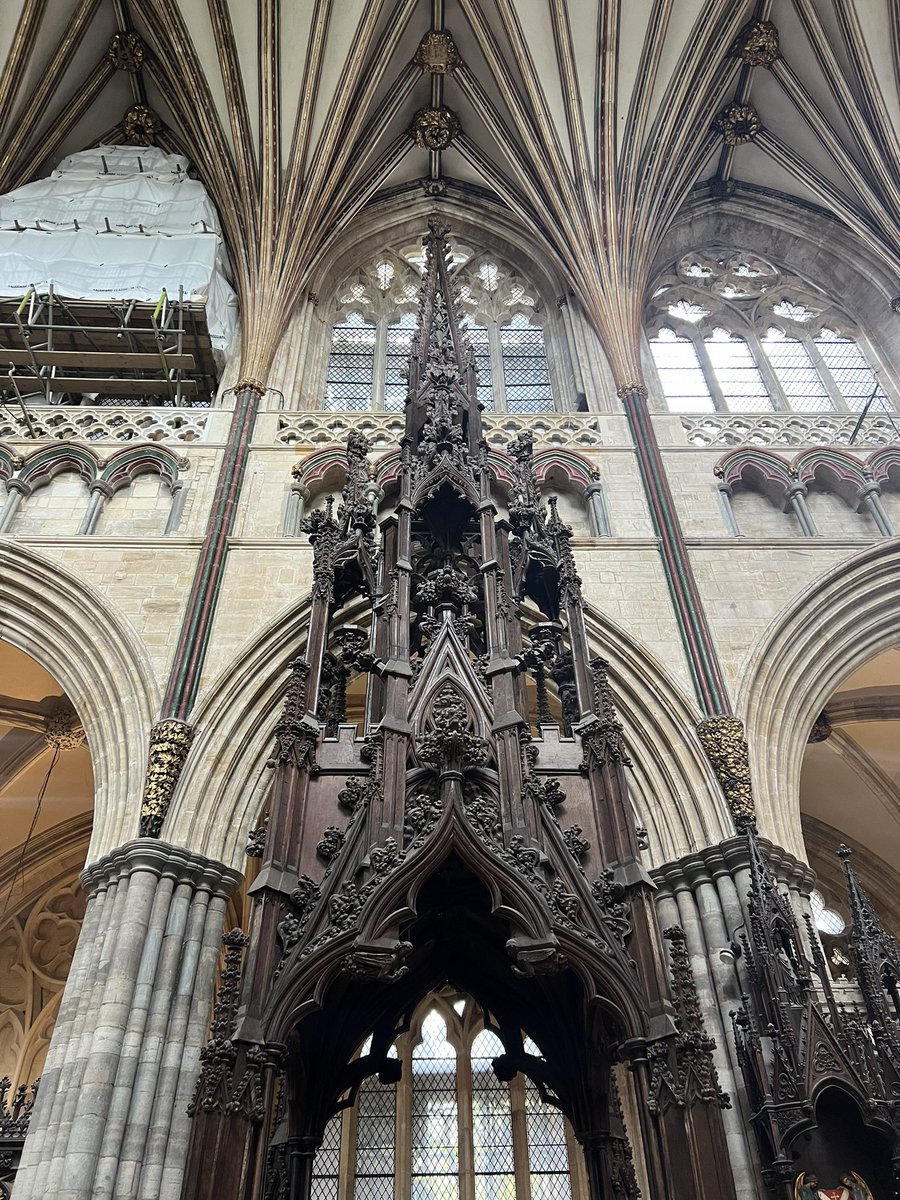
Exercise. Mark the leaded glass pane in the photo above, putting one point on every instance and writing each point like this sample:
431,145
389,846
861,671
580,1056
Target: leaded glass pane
435,1130
853,376
548,1152
796,372
327,1165
737,373
491,1124
525,372
375,1139
398,349
351,367
479,340
683,382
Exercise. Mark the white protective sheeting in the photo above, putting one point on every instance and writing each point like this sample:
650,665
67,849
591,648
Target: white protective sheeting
118,223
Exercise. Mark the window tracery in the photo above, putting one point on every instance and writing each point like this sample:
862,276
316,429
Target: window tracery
374,320
730,331
450,1127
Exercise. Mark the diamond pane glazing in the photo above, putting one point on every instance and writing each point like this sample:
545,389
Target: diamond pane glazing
351,367
492,1132
853,376
680,374
797,374
525,373
397,352
326,1168
737,374
548,1152
435,1128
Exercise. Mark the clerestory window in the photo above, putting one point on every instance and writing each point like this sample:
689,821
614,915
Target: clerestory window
450,1128
729,331
371,336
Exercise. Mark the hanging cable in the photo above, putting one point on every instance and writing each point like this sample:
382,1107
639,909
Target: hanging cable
34,820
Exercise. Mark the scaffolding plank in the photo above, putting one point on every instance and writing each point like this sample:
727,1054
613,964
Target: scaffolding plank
106,386
88,359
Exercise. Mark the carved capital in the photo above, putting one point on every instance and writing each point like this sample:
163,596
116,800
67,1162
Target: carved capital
726,748
170,742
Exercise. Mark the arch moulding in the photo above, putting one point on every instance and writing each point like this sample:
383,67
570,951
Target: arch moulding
836,624
95,655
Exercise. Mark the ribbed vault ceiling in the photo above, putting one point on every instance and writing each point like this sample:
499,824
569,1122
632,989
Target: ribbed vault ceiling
592,119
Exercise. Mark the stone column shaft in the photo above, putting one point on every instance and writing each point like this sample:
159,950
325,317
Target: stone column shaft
110,1121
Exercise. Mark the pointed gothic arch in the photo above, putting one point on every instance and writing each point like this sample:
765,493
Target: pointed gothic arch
837,623
73,631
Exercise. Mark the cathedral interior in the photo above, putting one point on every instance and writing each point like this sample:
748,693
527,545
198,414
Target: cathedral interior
449,626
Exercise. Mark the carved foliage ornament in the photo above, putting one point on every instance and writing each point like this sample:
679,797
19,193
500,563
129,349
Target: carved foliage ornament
141,125
738,123
170,742
126,52
726,748
434,128
757,44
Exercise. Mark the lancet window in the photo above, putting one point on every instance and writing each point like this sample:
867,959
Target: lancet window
450,1129
374,321
730,331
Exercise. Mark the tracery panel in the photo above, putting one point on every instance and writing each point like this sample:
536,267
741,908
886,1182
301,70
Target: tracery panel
730,331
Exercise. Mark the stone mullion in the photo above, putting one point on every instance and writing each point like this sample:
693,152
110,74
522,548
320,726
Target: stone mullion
464,1125
498,382
379,365
831,387
521,1164
403,1125
709,374
767,371
347,1155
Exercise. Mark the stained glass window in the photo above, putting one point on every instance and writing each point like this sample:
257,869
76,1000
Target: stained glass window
351,367
526,376
435,1132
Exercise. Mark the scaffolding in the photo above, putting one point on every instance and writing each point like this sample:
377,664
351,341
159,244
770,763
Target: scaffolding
64,351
